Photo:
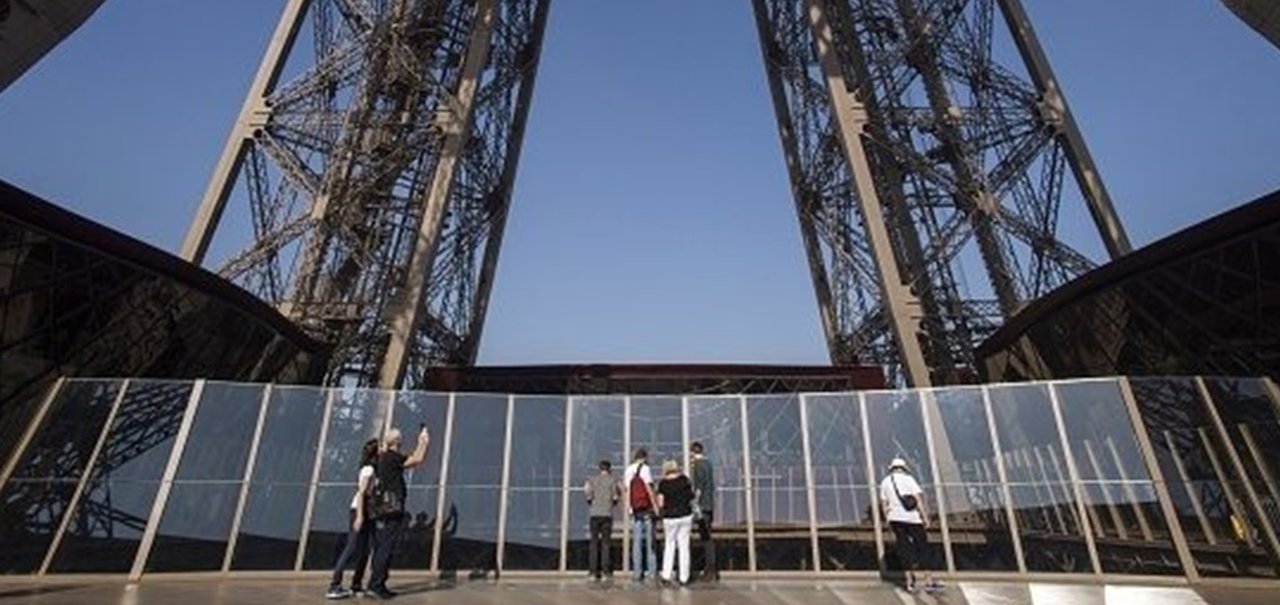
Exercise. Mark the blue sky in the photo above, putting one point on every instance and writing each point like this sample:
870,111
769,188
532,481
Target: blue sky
652,219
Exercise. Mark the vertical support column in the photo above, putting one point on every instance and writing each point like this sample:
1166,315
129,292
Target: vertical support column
1207,528
1112,510
404,321
503,494
1057,113
1076,486
166,482
873,486
249,463
85,477
442,482
253,113
850,120
564,500
809,482
1143,525
626,446
1260,460
1161,487
1255,503
749,480
940,502
315,480
29,433
1273,392
1233,500
1002,474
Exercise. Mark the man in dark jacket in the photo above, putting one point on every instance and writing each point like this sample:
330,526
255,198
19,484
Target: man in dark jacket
704,487
390,473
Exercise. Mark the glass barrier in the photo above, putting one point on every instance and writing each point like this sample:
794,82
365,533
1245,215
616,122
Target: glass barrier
1141,476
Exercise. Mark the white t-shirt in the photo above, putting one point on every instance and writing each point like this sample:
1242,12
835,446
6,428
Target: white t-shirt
630,473
366,474
907,486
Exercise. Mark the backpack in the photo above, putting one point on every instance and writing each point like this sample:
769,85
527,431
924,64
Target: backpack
638,493
383,503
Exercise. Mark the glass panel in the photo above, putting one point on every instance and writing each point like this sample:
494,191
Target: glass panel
716,422
1132,536
779,490
1043,500
1205,491
597,435
469,537
272,521
357,416
107,526
842,492
1249,416
38,494
193,532
896,424
475,478
537,448
196,524
413,409
533,529
537,462
221,433
966,467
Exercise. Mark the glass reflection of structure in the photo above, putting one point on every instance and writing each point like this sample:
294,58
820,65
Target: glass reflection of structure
1142,477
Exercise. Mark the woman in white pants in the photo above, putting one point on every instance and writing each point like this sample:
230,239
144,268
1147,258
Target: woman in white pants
675,500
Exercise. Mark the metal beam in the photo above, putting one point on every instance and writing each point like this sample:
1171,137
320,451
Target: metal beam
1054,104
252,115
851,119
406,316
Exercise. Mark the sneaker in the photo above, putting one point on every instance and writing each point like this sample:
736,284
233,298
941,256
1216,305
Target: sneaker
357,591
381,594
337,592
933,586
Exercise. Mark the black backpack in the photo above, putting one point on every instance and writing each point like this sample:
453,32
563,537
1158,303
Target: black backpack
383,502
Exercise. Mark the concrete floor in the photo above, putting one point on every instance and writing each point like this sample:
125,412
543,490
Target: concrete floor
537,592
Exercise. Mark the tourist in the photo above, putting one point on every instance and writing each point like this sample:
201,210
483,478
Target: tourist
602,491
704,490
361,528
675,500
389,504
638,481
903,502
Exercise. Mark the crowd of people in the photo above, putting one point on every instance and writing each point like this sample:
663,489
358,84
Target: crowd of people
681,501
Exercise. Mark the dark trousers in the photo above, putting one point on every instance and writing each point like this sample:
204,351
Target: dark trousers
598,560
703,524
357,548
384,541
912,544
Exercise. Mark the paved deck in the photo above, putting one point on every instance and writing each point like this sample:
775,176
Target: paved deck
520,592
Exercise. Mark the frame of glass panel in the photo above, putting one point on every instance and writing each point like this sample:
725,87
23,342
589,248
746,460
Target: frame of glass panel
166,481
250,462
30,431
85,476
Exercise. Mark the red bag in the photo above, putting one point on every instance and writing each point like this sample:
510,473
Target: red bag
639,493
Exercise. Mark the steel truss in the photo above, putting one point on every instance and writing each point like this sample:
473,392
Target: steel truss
916,158
378,175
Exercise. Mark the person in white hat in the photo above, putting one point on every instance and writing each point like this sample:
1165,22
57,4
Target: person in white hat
903,504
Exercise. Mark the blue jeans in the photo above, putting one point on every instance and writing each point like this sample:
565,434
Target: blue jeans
643,560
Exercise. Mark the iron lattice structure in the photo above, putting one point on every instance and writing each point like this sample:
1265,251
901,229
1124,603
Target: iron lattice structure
378,175
919,156
378,178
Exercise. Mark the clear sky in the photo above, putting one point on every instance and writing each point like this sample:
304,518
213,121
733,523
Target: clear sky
652,219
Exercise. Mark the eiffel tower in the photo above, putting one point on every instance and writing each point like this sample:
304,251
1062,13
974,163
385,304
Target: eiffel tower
376,149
